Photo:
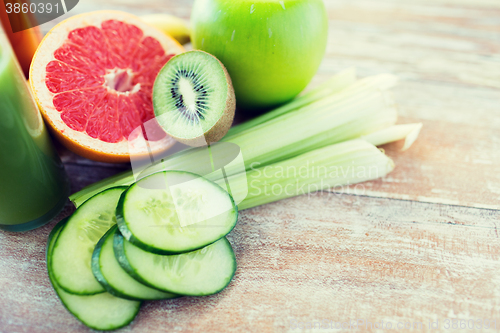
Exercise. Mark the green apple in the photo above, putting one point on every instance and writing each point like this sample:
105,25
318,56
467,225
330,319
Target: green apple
271,48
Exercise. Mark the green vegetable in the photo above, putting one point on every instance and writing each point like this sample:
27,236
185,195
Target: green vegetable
198,273
102,311
174,212
115,279
333,166
336,84
73,249
409,132
360,109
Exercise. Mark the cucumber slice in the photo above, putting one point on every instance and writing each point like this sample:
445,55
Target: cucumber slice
115,279
72,253
202,272
102,311
174,212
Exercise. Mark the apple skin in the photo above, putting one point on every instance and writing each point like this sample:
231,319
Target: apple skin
271,48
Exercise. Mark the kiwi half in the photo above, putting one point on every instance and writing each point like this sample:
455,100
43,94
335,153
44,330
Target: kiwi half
193,98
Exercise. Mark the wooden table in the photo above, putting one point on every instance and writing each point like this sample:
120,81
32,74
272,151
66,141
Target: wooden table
421,245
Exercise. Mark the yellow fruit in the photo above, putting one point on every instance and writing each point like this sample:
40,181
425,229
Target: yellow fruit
170,25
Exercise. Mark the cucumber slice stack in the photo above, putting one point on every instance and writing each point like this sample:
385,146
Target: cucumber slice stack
101,311
161,238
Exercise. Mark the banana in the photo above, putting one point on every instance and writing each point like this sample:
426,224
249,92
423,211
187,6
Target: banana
170,25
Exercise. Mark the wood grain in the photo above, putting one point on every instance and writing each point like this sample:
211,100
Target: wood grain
412,247
325,256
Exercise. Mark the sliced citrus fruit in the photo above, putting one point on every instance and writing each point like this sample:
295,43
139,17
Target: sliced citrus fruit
92,77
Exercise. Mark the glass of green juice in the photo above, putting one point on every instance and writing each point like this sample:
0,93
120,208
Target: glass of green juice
33,184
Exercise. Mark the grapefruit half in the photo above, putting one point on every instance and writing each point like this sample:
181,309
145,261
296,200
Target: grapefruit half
92,77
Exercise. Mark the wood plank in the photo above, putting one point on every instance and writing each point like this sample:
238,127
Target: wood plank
326,256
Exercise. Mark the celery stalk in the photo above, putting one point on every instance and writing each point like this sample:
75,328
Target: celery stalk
337,83
341,164
120,179
409,132
318,126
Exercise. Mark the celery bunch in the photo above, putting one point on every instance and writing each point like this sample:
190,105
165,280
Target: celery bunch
322,126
